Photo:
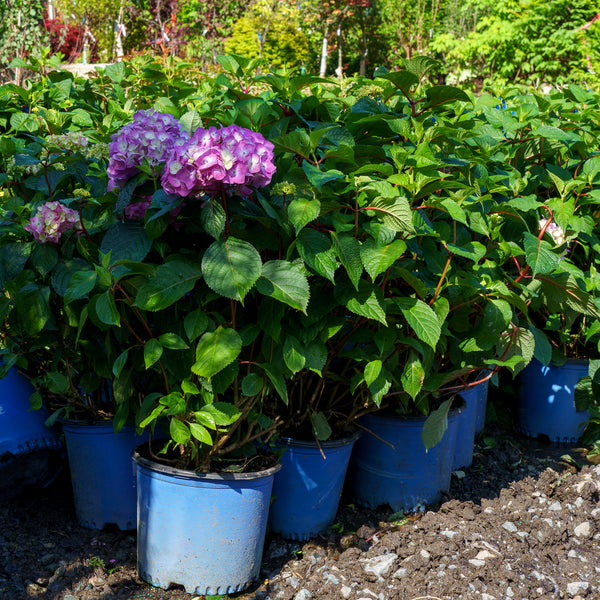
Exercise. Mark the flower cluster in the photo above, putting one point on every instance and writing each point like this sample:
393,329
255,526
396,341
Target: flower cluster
51,220
72,141
213,158
555,232
151,136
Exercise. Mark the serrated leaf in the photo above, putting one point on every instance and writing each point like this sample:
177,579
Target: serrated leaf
126,241
205,418
442,94
80,284
120,363
543,348
302,211
152,352
168,285
172,341
539,254
201,433
320,178
436,425
252,384
276,378
422,319
216,350
316,251
321,428
316,356
195,323
378,258
366,302
372,370
212,218
413,375
394,213
106,309
347,249
285,282
293,354
223,413
231,267
190,121
180,432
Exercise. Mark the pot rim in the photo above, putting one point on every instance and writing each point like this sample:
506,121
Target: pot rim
151,465
387,414
290,441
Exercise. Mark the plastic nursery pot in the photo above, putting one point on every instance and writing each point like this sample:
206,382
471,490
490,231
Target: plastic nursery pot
307,490
204,531
389,464
546,401
30,453
475,404
102,474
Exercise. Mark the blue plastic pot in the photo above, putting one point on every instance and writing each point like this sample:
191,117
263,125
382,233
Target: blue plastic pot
546,401
204,531
476,404
102,474
30,453
389,464
307,490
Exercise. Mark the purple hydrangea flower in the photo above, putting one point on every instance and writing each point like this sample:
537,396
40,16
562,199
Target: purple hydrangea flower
51,220
152,136
214,158
137,210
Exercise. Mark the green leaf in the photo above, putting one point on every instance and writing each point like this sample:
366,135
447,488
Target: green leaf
80,284
223,413
195,323
231,267
106,309
180,432
276,378
216,350
413,375
442,94
543,348
33,304
120,363
293,354
252,384
394,213
366,302
126,241
347,249
539,254
212,217
172,341
315,250
205,418
320,426
169,284
422,319
201,433
191,121
377,258
175,403
36,401
152,352
302,211
372,370
285,282
435,425
320,178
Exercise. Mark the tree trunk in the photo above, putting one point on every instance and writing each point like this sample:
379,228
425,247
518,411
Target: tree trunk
323,66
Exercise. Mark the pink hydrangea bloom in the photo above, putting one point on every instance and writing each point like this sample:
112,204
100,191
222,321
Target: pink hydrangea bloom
151,136
213,158
51,220
137,210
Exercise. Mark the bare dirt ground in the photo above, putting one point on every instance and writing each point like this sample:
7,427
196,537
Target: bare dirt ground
520,524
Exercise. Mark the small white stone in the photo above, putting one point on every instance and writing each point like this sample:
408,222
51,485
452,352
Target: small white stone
484,554
509,526
487,597
583,530
556,506
538,575
576,587
549,522
477,563
424,555
488,511
380,565
572,554
579,502
346,592
509,592
449,534
303,594
400,573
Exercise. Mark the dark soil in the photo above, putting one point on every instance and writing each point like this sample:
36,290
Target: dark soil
519,524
